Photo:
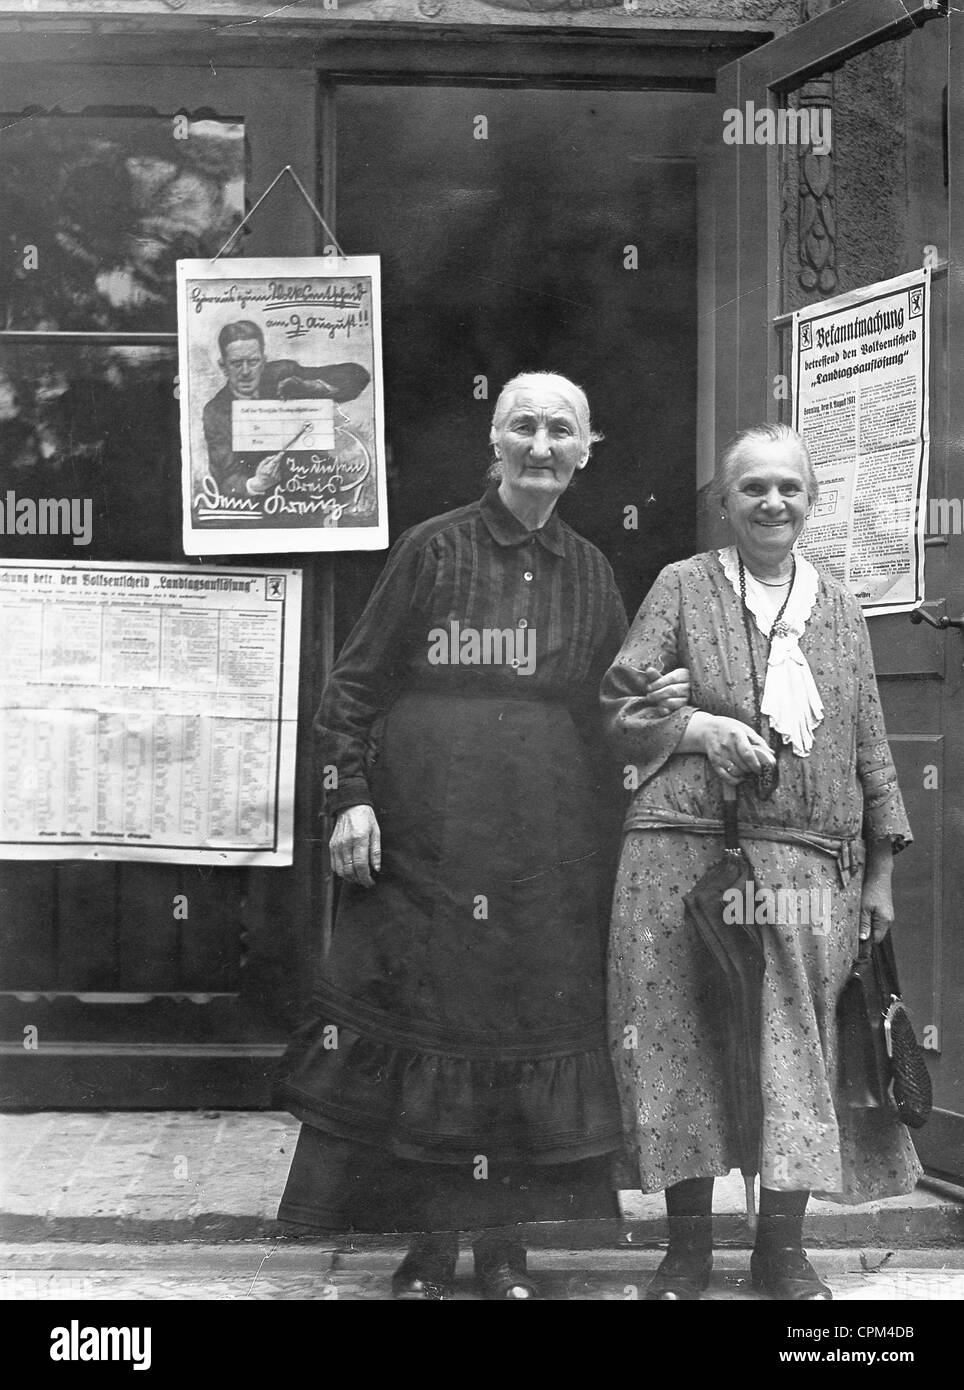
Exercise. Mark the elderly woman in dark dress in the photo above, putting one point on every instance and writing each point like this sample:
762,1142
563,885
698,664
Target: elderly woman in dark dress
784,705
455,1074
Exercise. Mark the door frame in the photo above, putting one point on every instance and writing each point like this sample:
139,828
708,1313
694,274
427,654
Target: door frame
748,287
749,349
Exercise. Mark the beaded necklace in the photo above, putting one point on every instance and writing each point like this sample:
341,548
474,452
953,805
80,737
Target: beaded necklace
769,778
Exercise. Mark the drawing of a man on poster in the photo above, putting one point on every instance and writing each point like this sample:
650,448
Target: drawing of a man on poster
251,376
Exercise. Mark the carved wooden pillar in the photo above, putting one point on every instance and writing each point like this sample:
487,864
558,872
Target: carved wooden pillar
816,212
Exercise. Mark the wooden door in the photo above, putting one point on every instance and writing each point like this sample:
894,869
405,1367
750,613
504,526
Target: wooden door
885,201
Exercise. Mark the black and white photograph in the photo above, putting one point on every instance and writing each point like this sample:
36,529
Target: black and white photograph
482,697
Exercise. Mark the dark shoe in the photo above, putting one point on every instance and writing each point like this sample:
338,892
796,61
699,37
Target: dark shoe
785,1273
502,1273
682,1276
427,1271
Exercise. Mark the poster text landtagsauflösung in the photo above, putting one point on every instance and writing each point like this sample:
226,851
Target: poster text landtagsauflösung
148,712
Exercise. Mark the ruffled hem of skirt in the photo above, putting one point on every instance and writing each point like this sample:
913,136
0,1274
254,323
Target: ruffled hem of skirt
439,1108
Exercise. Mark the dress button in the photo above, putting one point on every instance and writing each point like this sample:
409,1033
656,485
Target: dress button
528,576
522,623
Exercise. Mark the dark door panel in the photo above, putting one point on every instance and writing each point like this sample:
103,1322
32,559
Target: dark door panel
508,223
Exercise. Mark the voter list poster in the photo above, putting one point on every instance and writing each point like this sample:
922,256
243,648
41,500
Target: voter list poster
280,389
860,369
148,712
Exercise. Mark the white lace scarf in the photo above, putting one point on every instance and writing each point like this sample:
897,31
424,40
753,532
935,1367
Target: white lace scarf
790,698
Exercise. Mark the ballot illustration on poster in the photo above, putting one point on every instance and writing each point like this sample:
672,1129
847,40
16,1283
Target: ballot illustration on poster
282,433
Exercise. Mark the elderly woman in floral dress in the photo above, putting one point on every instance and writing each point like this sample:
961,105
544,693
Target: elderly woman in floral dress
784,705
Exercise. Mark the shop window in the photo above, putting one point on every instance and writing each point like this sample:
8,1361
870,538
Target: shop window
88,436
95,211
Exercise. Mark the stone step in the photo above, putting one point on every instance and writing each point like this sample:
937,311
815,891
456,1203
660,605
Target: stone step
165,1176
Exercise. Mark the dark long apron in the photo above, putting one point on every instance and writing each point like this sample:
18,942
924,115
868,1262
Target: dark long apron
458,1030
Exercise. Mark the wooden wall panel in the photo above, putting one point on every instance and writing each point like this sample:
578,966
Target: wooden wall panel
211,945
88,936
28,926
148,933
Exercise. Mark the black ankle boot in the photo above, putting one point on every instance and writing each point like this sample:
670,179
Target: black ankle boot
779,1266
682,1276
427,1271
500,1267
685,1269
785,1273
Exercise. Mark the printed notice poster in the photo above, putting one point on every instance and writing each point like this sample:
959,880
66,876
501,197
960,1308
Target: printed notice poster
148,712
282,432
860,366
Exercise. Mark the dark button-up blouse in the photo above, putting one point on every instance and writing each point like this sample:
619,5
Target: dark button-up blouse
473,603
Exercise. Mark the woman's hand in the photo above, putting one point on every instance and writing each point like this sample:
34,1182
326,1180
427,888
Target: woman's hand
877,897
356,846
733,749
667,693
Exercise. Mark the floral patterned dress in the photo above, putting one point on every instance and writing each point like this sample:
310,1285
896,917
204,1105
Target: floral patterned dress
806,838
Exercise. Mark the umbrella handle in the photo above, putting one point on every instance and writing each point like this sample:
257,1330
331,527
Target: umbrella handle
749,1188
731,827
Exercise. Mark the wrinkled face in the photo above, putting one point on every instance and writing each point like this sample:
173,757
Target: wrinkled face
243,365
541,443
767,502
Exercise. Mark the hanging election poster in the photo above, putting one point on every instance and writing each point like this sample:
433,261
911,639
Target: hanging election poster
282,433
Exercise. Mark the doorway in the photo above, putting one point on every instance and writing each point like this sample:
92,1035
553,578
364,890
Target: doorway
534,229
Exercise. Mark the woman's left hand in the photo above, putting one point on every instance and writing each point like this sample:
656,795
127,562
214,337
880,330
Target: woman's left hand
667,693
876,906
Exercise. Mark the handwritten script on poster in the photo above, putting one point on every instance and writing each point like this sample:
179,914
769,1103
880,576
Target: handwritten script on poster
282,431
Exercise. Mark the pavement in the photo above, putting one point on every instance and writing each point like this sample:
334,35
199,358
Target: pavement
182,1205
279,1270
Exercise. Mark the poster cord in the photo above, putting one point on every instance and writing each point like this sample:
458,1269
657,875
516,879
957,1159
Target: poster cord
304,193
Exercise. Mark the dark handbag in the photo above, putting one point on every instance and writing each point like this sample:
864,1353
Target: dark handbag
882,1063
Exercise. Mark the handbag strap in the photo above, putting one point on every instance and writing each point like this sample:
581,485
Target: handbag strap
881,956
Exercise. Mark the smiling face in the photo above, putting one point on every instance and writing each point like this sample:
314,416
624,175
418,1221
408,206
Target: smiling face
540,444
767,502
243,365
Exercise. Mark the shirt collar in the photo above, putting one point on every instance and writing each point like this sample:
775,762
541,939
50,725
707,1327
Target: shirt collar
506,529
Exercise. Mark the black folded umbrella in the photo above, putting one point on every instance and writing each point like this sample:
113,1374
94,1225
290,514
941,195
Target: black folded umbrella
736,965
